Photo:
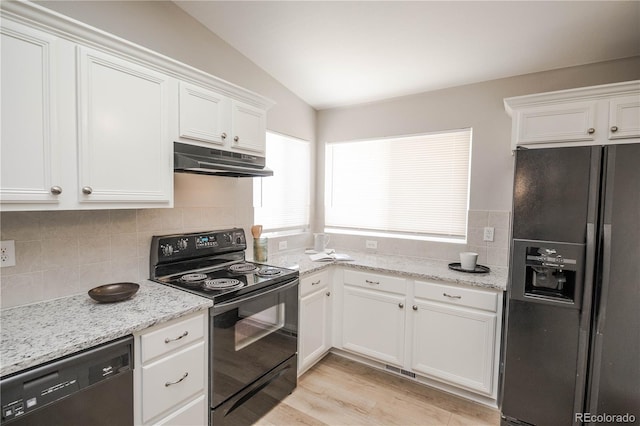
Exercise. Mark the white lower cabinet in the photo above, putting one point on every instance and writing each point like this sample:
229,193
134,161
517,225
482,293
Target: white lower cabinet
454,344
373,320
314,338
445,335
171,373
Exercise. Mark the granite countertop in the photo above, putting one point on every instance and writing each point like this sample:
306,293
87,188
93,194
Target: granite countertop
37,333
412,267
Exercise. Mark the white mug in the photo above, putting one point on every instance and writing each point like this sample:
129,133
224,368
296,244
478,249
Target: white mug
320,242
468,260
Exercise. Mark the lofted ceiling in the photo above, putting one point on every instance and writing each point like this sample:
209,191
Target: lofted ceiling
336,53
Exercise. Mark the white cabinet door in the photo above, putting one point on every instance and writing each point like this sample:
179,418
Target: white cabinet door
313,339
454,344
124,143
248,127
567,122
203,114
373,324
192,414
30,170
624,117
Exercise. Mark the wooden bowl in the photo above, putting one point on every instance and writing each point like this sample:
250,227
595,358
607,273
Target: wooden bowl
115,292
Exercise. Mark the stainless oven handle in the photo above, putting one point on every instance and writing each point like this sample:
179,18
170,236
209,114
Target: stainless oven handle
237,302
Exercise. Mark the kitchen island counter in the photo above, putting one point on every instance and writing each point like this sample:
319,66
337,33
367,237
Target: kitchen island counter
405,266
40,332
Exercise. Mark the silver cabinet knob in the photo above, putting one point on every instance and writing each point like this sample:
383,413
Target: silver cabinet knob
223,135
328,293
591,130
400,305
236,138
414,307
614,129
56,190
87,190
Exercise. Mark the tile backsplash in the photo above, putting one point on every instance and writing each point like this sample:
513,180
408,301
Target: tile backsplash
69,252
494,253
60,253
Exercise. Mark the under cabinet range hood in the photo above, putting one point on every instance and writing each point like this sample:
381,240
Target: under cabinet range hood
208,161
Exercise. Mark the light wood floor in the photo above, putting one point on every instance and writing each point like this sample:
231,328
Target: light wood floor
338,391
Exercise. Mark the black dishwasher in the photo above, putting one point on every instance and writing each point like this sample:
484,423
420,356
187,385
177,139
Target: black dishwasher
93,387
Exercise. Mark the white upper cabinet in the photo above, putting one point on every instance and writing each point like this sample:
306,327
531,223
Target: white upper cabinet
207,116
249,126
587,116
624,117
574,121
124,142
89,119
203,114
30,167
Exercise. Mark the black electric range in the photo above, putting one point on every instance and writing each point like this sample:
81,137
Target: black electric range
212,264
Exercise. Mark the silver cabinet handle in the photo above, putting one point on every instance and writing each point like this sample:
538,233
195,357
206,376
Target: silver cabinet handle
185,334
316,282
223,135
451,297
614,129
236,138
184,376
591,130
56,190
414,307
328,293
372,282
400,305
87,190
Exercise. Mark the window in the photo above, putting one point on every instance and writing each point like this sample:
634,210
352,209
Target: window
282,201
415,186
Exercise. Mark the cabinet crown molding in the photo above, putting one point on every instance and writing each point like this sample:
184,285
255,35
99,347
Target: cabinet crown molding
37,16
582,93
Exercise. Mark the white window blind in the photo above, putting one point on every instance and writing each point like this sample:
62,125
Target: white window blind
282,201
416,185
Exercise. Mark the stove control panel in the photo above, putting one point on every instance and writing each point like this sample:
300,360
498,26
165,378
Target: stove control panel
171,248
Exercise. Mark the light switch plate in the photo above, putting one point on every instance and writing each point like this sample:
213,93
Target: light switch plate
370,244
282,245
7,253
488,233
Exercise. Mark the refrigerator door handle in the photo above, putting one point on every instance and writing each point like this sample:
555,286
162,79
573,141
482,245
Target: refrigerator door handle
600,318
585,321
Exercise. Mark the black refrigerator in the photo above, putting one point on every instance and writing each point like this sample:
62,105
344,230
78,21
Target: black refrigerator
571,350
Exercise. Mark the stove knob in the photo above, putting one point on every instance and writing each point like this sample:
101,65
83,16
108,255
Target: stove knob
167,250
227,238
182,244
238,240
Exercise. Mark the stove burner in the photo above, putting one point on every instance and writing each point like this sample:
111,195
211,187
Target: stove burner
221,284
269,272
243,268
190,278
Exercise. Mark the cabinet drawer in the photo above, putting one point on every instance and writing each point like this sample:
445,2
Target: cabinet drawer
192,414
375,281
313,282
171,337
470,297
171,380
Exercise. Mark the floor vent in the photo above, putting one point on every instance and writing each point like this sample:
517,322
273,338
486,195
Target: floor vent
392,368
408,373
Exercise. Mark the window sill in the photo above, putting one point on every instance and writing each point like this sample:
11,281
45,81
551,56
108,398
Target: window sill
361,233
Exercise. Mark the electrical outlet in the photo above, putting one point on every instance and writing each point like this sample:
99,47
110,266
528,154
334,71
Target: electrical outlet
282,245
488,233
371,244
7,253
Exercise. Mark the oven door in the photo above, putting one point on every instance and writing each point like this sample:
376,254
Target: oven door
251,336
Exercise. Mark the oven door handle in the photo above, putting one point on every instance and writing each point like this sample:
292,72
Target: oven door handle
227,306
